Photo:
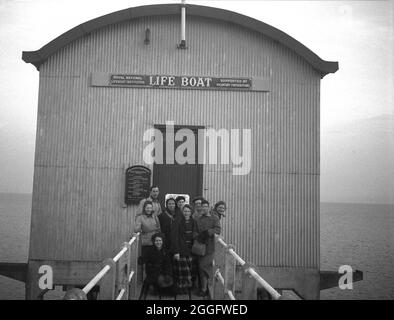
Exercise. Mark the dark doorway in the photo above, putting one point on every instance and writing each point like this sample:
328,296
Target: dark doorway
178,178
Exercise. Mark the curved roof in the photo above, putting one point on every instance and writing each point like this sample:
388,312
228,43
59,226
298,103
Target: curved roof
39,56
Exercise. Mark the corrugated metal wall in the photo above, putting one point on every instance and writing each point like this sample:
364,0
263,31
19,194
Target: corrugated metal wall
86,136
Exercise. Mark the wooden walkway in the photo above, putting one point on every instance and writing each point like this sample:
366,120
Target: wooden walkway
169,296
232,278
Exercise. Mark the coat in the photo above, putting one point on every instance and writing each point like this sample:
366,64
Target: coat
157,262
148,226
167,222
214,212
179,237
208,226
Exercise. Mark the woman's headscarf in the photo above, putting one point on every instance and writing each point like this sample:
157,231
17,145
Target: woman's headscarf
168,200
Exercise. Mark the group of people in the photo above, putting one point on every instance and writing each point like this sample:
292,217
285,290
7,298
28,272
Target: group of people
169,238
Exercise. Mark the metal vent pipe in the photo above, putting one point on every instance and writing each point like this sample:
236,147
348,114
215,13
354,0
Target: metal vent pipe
182,45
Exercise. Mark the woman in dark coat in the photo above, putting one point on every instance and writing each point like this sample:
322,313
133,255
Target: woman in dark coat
158,266
183,235
167,220
180,202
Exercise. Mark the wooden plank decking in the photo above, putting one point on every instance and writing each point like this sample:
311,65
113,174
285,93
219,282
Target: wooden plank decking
169,296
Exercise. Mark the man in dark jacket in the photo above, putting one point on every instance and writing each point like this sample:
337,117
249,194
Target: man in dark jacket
208,225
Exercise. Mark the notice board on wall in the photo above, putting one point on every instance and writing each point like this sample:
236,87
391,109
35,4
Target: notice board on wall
137,184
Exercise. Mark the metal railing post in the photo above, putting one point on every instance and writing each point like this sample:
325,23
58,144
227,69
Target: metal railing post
122,273
229,271
107,283
133,276
218,287
140,268
220,254
211,280
249,284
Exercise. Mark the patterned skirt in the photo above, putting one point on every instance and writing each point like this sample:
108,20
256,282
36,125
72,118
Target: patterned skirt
183,269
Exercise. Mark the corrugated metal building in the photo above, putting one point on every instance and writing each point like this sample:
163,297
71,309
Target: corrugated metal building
89,132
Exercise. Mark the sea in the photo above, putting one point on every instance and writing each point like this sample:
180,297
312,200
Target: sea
358,235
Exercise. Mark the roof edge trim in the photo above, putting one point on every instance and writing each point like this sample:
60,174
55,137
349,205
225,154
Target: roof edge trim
40,56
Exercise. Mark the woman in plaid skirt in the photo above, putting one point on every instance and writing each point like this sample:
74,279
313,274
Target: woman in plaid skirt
183,235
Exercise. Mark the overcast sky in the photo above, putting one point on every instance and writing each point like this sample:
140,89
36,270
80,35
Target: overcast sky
357,104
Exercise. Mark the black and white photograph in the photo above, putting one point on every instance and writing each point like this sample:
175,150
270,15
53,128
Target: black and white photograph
196,151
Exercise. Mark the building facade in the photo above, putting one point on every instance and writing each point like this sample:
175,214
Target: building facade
101,89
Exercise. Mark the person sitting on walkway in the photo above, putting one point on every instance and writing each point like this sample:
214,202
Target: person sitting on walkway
158,267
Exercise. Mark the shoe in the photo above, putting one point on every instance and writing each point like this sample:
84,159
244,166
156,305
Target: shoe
195,287
202,293
154,292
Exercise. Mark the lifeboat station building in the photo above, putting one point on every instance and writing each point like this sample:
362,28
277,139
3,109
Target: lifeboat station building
139,92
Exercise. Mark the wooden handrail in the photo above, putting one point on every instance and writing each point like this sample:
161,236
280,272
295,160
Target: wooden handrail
274,294
228,292
96,279
119,268
248,269
120,254
120,295
116,275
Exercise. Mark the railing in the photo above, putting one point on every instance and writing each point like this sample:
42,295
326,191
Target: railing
117,278
224,275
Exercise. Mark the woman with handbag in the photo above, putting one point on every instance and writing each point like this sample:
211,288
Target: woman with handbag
208,225
183,235
158,266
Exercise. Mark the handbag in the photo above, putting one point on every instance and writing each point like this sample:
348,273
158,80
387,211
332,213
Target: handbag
165,281
199,248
